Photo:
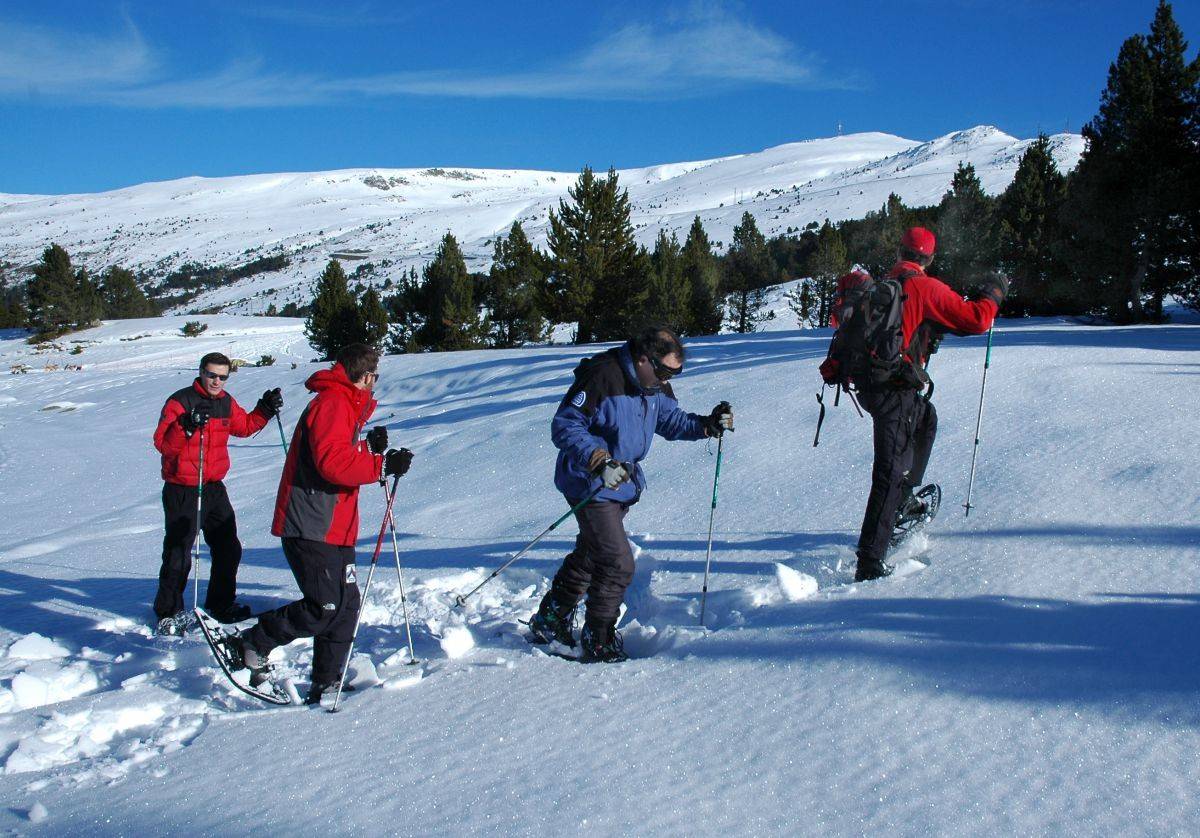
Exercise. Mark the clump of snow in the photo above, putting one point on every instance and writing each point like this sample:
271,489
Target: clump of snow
793,584
35,647
46,682
457,641
37,813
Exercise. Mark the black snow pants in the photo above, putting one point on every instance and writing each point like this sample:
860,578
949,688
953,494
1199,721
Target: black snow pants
327,613
905,425
601,565
220,534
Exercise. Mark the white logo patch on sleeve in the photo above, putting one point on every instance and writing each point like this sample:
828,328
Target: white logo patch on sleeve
579,399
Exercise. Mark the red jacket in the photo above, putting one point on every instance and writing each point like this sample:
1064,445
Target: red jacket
931,303
181,455
326,463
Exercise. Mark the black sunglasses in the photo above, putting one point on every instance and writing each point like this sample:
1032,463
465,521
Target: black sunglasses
662,371
211,374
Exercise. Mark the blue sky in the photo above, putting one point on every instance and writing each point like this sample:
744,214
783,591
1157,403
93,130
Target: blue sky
97,95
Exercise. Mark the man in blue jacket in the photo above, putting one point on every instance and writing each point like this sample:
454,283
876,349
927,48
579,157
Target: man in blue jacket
603,429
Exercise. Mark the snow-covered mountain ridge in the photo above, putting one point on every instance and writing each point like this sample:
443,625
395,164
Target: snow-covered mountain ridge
398,216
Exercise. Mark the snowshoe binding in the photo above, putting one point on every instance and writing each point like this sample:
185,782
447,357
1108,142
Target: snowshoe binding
605,646
234,654
915,513
552,624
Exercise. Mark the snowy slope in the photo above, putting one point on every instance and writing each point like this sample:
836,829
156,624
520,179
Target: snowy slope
1038,677
400,215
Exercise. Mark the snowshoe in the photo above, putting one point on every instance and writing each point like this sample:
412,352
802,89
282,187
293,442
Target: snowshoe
915,513
233,654
551,624
171,626
604,647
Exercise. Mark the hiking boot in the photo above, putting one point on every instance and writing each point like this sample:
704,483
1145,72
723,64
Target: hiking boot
602,645
234,612
172,626
317,690
242,649
869,571
552,623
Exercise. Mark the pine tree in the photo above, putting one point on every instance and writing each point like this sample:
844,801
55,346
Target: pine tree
1028,236
828,262
517,291
374,318
965,247
598,273
52,293
748,272
405,307
1134,201
702,275
89,301
669,295
801,300
123,299
334,319
451,318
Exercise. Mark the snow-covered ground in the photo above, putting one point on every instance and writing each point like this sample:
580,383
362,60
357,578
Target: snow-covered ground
1039,676
400,215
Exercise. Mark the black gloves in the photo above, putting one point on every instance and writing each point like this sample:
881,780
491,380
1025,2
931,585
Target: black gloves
377,439
396,463
720,420
271,403
197,419
995,288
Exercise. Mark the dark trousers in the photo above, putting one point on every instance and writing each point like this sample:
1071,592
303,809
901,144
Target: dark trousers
601,565
904,429
327,613
220,534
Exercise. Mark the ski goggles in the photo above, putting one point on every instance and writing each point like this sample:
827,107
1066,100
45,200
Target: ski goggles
662,371
214,376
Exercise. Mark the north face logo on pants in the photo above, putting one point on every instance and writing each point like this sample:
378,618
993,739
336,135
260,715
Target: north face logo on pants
351,574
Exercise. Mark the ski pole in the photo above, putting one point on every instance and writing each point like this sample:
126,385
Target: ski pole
412,651
987,360
391,496
282,438
461,599
199,523
712,513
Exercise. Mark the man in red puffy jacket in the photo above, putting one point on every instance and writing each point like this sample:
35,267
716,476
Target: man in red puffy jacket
316,516
202,413
905,423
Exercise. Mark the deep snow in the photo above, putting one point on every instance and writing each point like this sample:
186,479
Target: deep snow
1039,676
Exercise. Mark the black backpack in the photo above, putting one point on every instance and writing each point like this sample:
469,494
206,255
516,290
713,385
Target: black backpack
866,353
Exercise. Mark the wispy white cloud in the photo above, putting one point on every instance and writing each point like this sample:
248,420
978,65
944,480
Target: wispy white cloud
704,50
41,60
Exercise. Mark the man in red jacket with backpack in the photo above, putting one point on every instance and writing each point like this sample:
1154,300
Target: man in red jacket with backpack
202,414
316,516
905,421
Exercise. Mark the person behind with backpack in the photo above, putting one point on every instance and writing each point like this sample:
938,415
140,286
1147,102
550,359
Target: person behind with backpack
886,367
603,429
316,517
202,413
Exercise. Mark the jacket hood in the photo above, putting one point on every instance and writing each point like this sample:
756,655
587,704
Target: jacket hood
625,358
335,378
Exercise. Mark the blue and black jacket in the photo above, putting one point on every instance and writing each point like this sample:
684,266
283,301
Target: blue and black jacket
608,408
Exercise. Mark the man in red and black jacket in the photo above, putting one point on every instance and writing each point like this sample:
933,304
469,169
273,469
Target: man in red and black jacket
905,423
202,413
316,516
